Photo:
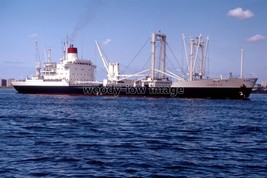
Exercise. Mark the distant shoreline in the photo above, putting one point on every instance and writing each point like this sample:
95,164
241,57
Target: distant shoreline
259,92
7,87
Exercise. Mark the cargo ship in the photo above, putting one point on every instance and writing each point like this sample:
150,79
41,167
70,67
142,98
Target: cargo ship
75,76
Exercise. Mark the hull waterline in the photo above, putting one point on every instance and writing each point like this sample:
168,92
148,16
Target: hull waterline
213,93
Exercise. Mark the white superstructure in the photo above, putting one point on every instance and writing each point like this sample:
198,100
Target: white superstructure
71,70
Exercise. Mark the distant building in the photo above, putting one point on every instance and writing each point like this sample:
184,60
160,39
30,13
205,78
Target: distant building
8,82
260,88
2,82
264,84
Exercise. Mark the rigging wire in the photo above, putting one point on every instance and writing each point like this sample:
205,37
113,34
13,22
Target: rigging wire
146,63
132,69
144,66
175,59
136,55
171,64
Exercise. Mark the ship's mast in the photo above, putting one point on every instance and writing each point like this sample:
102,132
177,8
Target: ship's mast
201,60
104,60
66,48
163,55
162,64
191,60
153,50
49,55
113,69
193,57
37,63
186,56
205,53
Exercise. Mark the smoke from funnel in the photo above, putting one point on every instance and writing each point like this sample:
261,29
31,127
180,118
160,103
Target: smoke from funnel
93,7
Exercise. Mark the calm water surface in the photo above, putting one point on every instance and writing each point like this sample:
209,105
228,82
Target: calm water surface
79,136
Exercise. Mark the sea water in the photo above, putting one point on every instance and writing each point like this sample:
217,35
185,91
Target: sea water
82,136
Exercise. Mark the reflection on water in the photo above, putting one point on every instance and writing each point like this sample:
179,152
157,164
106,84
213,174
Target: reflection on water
59,135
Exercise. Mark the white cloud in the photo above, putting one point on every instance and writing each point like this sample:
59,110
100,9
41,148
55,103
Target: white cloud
107,41
33,35
240,13
257,37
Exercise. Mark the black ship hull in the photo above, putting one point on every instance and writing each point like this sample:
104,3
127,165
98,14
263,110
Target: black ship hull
193,92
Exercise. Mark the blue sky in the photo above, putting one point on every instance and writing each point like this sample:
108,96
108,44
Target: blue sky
123,26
